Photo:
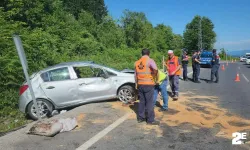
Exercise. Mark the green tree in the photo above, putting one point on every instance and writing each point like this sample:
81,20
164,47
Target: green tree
31,13
191,33
164,37
138,30
222,53
208,34
110,34
177,42
96,7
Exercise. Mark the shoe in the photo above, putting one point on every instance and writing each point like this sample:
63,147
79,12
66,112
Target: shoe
216,81
175,98
163,110
141,120
210,81
153,123
197,81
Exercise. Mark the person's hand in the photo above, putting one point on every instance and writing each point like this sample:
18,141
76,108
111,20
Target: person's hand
136,86
171,73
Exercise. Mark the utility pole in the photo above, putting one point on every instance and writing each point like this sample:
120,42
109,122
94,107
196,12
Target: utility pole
200,36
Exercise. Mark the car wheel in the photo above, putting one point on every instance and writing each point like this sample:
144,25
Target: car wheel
44,106
126,94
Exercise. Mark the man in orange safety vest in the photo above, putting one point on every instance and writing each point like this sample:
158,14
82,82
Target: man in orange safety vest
145,72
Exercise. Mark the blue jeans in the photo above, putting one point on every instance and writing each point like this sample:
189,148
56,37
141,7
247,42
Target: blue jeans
163,89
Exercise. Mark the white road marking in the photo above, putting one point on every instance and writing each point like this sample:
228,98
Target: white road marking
245,77
101,134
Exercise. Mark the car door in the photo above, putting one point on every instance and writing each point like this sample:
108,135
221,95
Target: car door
94,84
59,87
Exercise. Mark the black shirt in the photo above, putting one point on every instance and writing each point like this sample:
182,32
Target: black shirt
184,61
193,59
197,56
215,59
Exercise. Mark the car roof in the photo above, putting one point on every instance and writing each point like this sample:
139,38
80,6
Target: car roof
66,64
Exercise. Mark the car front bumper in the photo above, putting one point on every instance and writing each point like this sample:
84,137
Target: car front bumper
204,63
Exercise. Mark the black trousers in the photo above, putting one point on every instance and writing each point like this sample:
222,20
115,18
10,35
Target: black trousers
215,72
196,72
146,96
184,66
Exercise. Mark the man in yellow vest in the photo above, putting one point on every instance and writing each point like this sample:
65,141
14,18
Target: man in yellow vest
161,86
173,66
145,71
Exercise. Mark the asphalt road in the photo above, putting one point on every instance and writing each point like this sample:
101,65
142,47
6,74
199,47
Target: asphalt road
234,96
204,118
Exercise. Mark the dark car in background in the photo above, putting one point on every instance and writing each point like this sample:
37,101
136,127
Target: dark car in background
206,59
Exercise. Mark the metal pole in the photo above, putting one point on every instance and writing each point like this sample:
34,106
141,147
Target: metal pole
200,45
22,57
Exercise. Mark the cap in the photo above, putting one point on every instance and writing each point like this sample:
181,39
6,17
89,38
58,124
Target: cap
170,51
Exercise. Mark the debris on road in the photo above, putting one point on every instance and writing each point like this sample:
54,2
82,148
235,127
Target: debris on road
53,127
54,112
63,111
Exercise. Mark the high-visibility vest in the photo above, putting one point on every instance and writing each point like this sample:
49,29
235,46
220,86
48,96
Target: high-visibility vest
161,76
143,72
173,64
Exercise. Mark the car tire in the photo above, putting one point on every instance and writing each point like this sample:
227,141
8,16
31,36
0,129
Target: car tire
126,94
46,106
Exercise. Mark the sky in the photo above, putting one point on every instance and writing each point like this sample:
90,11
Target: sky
231,18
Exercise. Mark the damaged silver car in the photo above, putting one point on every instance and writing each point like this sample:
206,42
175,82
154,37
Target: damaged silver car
75,83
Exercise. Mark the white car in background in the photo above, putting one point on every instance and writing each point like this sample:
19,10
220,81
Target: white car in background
248,60
243,58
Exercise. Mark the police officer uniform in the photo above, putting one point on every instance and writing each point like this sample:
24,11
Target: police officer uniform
196,68
184,59
215,67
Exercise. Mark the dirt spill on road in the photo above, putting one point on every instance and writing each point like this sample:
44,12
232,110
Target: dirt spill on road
98,121
200,111
80,120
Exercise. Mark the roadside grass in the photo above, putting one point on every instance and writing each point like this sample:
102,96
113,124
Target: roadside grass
10,116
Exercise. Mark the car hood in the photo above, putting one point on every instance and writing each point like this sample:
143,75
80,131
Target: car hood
128,71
